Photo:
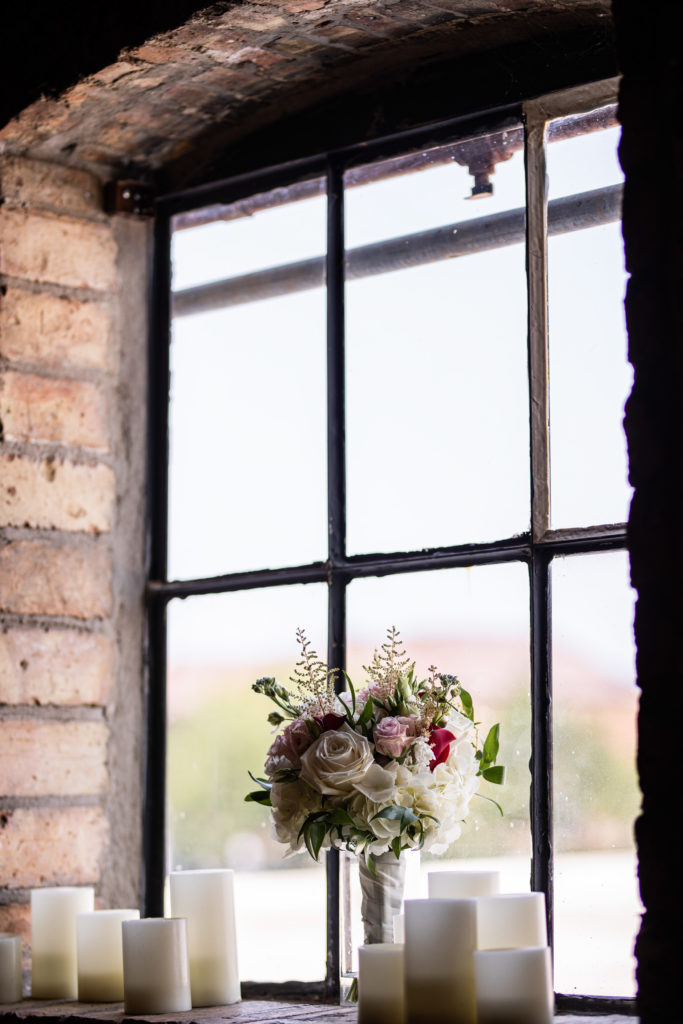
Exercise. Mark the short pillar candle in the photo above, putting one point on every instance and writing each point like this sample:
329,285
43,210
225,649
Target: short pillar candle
100,954
511,921
53,939
463,884
440,939
380,984
156,971
10,968
206,899
514,986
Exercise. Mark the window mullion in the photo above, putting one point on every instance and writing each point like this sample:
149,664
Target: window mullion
336,505
537,295
541,728
154,797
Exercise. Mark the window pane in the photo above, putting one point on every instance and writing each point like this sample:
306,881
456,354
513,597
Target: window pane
590,377
247,414
218,732
596,796
437,406
472,623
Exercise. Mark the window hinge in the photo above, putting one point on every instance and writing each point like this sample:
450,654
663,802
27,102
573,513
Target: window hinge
129,196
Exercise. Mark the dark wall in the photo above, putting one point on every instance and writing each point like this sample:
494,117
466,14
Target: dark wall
652,158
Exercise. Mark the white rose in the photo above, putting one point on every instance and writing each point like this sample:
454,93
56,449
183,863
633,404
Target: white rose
292,802
336,761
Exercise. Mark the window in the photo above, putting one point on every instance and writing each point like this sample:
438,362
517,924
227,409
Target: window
396,376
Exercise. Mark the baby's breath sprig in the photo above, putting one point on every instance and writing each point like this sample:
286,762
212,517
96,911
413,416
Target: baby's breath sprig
312,678
389,663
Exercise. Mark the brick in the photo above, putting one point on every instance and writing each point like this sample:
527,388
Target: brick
43,247
15,918
60,846
257,20
54,331
56,495
255,55
52,758
55,666
37,183
34,408
39,578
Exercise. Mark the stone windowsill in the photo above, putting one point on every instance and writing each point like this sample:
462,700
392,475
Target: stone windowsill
246,1012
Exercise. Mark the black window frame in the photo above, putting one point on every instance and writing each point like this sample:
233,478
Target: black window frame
536,549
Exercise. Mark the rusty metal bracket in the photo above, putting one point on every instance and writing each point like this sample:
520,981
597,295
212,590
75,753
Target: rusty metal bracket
129,196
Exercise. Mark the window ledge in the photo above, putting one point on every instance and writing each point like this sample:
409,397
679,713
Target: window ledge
39,1011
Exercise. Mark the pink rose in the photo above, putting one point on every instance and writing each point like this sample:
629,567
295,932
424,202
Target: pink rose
286,750
393,735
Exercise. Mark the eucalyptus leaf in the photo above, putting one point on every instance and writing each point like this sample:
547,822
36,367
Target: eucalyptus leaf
495,774
263,783
258,797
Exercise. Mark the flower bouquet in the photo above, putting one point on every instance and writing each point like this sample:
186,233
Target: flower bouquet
376,771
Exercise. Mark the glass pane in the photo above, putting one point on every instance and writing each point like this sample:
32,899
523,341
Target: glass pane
218,732
247,413
437,404
596,795
472,623
590,377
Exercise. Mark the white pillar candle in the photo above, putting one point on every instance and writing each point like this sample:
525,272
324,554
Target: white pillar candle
53,940
399,928
511,921
440,939
464,884
156,970
10,968
514,986
207,900
380,984
100,955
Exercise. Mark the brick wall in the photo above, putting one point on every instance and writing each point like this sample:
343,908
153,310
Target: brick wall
72,357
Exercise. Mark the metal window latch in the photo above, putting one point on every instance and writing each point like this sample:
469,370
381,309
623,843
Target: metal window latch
129,196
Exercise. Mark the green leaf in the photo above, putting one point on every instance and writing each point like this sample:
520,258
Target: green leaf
372,867
317,832
352,689
263,783
340,817
366,713
491,801
259,797
396,813
490,749
495,774
467,705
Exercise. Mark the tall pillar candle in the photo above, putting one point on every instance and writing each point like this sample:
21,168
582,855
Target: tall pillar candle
440,939
514,986
10,968
380,984
463,884
206,898
99,944
53,940
511,920
156,970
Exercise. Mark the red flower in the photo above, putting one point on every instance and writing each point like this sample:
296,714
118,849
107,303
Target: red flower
440,741
329,721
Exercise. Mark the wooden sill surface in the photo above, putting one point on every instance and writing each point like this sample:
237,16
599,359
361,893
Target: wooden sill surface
250,1011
